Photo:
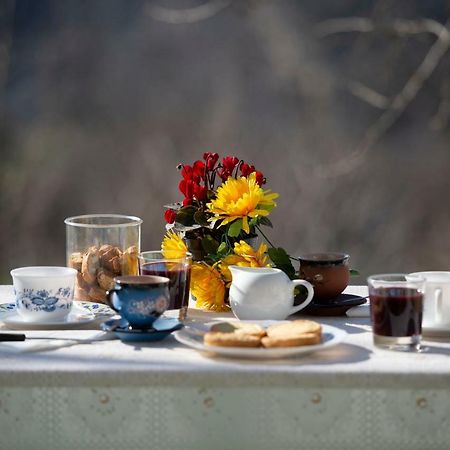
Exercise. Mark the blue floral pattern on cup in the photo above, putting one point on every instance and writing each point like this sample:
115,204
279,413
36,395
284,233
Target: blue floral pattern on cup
147,307
99,309
44,300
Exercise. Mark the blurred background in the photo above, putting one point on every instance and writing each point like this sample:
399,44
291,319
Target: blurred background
343,105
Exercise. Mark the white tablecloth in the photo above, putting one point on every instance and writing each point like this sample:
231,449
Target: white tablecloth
164,396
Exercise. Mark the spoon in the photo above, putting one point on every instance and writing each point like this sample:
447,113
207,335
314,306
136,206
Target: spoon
19,337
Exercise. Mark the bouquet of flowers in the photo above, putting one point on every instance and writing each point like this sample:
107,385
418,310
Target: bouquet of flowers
220,217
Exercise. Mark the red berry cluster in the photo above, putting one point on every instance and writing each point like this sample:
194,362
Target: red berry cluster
200,178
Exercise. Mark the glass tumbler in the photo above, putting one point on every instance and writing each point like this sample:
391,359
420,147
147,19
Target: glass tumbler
177,270
101,247
396,308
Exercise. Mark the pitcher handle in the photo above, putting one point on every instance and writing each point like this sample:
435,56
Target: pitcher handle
309,298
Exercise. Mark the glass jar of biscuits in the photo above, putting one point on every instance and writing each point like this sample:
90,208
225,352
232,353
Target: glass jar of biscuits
101,247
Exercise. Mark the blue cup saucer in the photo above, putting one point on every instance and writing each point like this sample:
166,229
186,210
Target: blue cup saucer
160,329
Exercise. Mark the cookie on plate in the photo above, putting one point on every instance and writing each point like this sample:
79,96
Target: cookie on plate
291,340
294,328
251,329
220,339
293,334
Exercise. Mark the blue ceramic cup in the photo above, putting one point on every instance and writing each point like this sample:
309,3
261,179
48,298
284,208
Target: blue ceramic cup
139,299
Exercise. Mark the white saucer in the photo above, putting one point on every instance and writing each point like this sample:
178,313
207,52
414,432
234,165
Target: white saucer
82,313
436,331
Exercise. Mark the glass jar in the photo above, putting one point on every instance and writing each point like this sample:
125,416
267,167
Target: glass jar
101,247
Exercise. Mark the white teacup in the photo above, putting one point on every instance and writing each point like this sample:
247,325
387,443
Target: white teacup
436,308
43,294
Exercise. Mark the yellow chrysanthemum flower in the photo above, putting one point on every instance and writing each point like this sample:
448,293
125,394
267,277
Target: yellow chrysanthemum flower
173,246
256,258
208,287
230,260
239,199
244,256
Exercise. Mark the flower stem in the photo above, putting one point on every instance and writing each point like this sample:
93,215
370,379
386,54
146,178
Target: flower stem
237,168
264,236
270,243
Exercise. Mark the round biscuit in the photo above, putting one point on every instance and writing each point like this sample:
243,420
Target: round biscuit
294,328
251,329
231,339
291,341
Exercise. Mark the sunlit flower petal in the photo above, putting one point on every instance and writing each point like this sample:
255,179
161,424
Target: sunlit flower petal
244,256
239,199
173,246
208,287
256,258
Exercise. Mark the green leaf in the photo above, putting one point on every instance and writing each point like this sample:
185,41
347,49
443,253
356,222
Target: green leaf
235,228
266,207
354,273
265,221
253,221
201,218
223,249
281,260
209,245
185,215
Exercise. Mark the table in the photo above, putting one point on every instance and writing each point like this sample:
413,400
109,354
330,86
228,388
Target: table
111,395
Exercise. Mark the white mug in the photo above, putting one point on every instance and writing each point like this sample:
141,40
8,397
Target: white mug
258,293
43,294
436,308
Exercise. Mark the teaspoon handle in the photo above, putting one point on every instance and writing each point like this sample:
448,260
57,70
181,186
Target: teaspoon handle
9,337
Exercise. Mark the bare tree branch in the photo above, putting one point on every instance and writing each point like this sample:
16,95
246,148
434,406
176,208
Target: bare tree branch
368,95
344,25
400,101
401,27
187,15
441,118
364,25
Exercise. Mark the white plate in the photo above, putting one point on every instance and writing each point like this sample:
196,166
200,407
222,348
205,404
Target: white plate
438,331
193,338
82,313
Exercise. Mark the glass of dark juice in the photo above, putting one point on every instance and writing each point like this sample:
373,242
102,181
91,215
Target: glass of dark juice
396,307
177,270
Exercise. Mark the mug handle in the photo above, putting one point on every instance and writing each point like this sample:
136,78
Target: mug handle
438,304
309,298
108,298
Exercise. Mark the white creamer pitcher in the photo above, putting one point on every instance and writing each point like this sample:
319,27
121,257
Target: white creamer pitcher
263,293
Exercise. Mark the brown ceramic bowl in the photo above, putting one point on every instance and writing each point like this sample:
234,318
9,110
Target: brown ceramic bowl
327,272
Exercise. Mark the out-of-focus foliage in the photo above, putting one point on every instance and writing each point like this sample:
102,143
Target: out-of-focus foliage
100,100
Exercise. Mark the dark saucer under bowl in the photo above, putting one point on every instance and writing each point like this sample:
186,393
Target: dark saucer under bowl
335,307
161,328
